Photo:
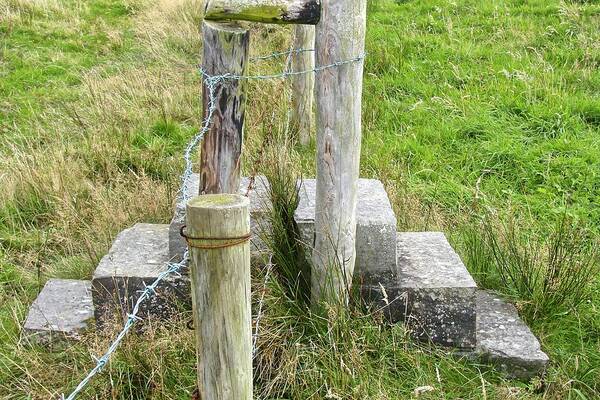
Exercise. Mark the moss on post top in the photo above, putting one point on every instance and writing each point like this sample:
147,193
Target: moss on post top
223,200
306,12
259,13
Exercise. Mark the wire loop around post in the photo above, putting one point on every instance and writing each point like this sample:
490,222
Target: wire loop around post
225,242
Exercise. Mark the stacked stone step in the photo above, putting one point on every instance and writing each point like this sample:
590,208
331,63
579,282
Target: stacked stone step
415,278
138,255
418,279
62,311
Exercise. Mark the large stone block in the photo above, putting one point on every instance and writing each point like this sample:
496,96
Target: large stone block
258,193
136,258
62,310
505,341
433,293
375,229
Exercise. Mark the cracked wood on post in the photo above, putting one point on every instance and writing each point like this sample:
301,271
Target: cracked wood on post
266,11
303,85
341,36
221,295
225,51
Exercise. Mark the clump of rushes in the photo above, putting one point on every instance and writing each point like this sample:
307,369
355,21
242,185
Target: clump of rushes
548,274
280,165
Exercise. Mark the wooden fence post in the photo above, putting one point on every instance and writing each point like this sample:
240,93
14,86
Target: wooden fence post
303,85
340,36
217,231
225,51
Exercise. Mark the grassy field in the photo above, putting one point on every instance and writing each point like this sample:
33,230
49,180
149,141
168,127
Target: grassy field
482,118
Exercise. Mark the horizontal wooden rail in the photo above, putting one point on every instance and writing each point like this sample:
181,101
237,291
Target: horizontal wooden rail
304,12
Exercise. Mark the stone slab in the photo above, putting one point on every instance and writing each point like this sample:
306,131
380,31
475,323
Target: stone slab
61,311
258,193
138,255
375,228
433,293
505,341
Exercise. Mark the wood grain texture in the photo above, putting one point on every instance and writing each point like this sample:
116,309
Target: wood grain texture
340,36
266,11
303,85
225,51
221,296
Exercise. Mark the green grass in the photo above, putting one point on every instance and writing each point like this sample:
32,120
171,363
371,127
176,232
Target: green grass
470,109
503,91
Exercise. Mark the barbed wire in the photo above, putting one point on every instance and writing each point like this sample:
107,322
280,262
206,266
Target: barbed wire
212,83
283,74
148,292
281,53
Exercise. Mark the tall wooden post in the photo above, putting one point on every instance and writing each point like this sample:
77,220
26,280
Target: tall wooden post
225,51
340,36
303,85
217,229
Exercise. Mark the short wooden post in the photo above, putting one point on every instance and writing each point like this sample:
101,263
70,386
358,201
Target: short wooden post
340,36
303,85
225,51
217,232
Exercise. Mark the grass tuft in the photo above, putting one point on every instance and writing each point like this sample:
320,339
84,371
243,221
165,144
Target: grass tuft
280,168
550,275
547,273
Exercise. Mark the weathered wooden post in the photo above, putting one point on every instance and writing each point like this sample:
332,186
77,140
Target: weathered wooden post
217,232
340,36
303,85
225,51
266,11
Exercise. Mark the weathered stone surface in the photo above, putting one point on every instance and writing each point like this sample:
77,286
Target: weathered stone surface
257,192
504,340
433,292
62,310
136,258
375,229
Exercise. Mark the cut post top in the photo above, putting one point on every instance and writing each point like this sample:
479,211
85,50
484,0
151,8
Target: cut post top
304,12
219,201
217,221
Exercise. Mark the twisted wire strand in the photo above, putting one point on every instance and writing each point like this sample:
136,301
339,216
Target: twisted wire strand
148,292
290,52
285,73
212,83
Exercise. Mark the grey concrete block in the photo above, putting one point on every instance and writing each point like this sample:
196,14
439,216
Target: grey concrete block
433,293
375,229
62,310
136,258
260,204
504,340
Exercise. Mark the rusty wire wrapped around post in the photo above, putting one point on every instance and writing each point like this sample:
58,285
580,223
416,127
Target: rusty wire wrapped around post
226,242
